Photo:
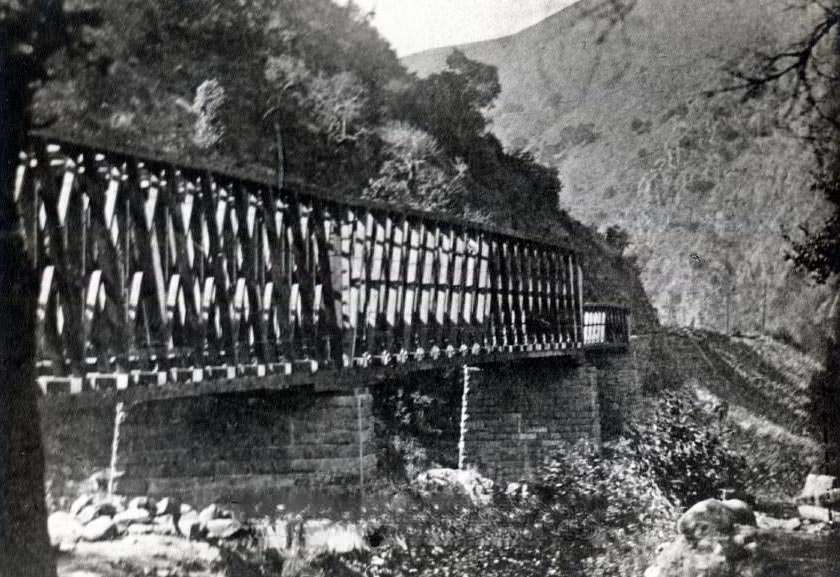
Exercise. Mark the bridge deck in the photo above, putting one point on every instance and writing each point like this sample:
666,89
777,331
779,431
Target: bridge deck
155,273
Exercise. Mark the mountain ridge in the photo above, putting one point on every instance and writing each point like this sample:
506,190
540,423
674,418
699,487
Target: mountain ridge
705,186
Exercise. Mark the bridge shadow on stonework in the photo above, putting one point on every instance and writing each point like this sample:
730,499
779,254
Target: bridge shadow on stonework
160,279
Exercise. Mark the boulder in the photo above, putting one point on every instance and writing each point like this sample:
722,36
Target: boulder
741,495
140,529
165,525
707,518
142,502
99,529
131,517
716,555
87,514
167,506
767,522
95,510
119,502
816,528
518,492
744,536
81,502
451,482
333,537
223,528
816,513
211,512
816,485
64,529
743,512
830,497
189,525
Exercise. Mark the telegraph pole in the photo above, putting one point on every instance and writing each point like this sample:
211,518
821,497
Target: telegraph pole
727,313
764,310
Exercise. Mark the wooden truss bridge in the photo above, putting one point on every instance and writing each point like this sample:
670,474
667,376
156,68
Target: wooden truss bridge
160,275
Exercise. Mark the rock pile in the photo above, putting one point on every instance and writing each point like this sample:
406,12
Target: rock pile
454,484
716,539
98,517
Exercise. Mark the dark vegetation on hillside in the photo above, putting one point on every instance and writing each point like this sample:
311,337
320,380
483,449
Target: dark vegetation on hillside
208,80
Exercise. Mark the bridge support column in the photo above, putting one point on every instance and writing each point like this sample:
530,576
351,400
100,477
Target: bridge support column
517,414
619,390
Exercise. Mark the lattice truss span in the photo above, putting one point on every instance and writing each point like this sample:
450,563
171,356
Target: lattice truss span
151,272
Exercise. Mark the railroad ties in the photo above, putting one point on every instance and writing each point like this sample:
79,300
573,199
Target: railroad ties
154,273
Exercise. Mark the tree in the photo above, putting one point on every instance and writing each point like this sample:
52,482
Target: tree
449,104
509,186
807,73
417,173
30,32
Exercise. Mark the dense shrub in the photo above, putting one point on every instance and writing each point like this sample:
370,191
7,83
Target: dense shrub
683,448
416,427
586,512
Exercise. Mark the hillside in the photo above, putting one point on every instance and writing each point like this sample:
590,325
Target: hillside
758,387
704,185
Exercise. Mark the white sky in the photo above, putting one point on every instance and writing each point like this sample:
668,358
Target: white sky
415,25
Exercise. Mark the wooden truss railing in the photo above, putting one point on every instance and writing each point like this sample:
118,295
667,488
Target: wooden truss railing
605,325
158,272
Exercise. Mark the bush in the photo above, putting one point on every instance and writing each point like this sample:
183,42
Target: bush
594,511
683,449
416,427
586,512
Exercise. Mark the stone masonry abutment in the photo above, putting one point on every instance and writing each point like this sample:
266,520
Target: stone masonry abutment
243,448
517,414
288,445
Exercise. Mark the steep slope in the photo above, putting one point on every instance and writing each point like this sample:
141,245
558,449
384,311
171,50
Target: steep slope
758,386
704,185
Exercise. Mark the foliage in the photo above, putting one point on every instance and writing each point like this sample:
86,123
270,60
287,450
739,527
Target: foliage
417,173
818,254
449,104
824,402
617,237
585,512
684,449
412,426
207,105
352,118
808,72
594,511
148,56
776,461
